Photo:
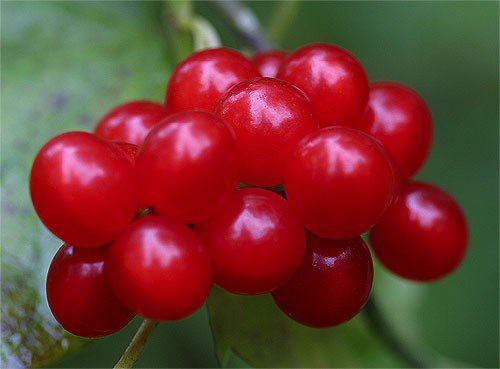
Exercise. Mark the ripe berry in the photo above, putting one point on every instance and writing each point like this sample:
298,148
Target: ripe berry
79,295
268,63
423,236
333,79
131,122
159,269
269,117
331,286
83,189
399,118
129,150
199,82
188,166
255,241
339,181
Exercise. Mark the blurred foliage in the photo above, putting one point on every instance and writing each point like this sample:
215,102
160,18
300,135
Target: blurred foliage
64,64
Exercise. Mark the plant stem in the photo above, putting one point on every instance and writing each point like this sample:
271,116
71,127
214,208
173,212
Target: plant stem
137,344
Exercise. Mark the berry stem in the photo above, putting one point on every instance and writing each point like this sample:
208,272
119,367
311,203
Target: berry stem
137,344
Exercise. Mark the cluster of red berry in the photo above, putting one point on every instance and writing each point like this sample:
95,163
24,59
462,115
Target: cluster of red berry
309,120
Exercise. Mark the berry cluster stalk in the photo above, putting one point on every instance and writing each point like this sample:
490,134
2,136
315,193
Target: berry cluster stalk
137,344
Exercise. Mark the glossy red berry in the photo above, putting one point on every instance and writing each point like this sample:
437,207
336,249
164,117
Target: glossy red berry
79,295
160,269
199,82
129,150
339,181
399,118
83,189
269,118
188,165
423,236
268,63
332,285
131,122
255,241
333,79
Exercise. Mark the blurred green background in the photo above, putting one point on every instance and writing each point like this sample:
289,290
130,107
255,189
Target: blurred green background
64,64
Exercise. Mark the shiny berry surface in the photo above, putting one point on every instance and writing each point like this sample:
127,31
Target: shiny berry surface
423,236
399,118
83,189
332,285
269,118
79,295
339,181
130,122
268,63
333,79
160,269
255,241
188,165
199,82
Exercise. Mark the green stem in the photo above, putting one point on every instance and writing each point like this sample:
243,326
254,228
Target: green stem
282,19
137,344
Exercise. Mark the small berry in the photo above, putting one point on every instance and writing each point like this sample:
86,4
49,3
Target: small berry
423,236
159,269
333,80
199,82
332,285
188,165
129,150
268,63
269,118
255,241
130,122
339,181
83,189
79,295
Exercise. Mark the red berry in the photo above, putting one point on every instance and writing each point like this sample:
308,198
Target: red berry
269,117
130,122
255,241
269,62
339,181
423,236
129,150
83,189
399,118
331,286
200,81
160,269
333,79
79,295
188,165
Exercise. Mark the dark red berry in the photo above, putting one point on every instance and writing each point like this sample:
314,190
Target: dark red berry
255,241
159,269
131,122
332,285
339,181
129,150
399,118
269,118
333,79
423,236
268,63
79,295
199,82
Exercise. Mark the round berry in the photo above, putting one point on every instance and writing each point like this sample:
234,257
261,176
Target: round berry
83,189
128,150
399,118
332,285
269,118
188,165
131,122
255,241
160,269
268,63
79,295
339,181
333,79
423,236
199,82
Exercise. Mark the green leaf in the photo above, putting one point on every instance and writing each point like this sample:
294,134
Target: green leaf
64,64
